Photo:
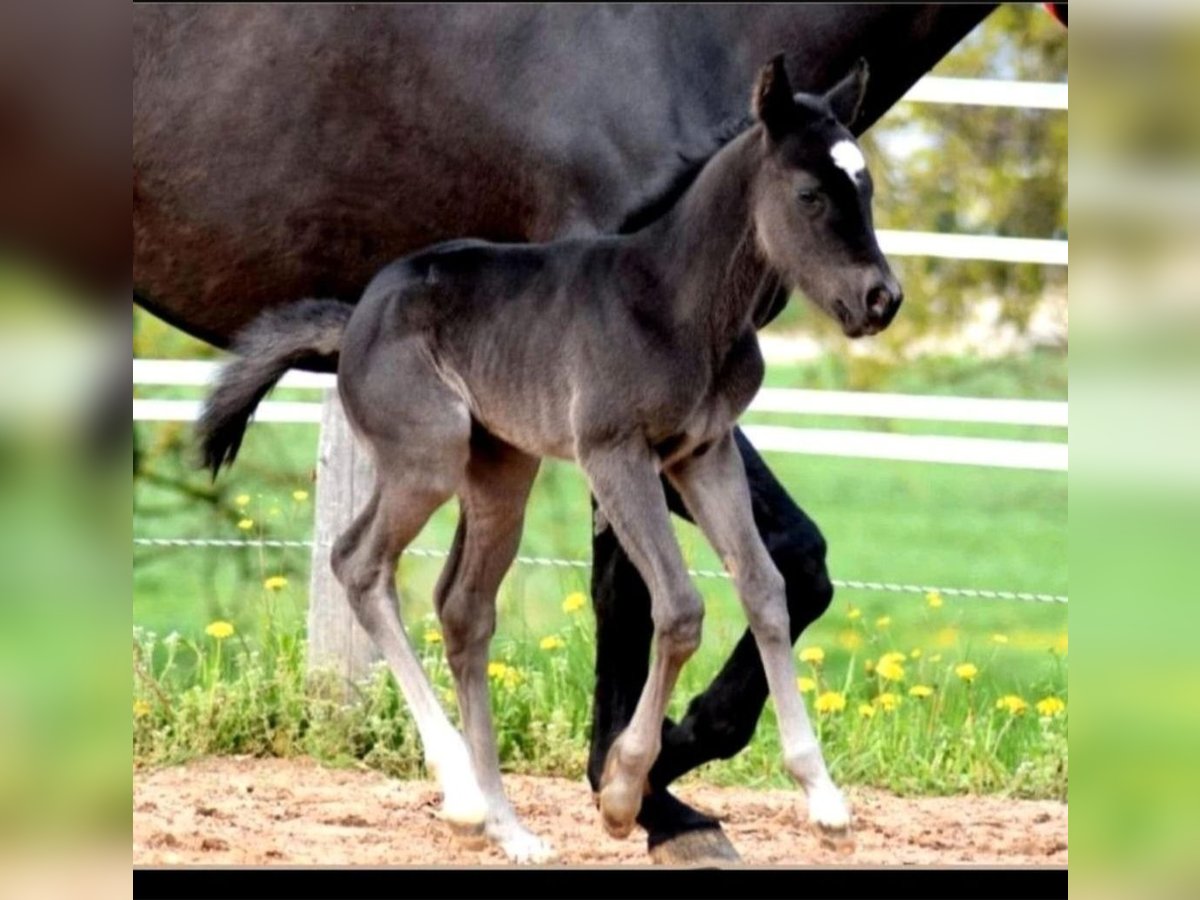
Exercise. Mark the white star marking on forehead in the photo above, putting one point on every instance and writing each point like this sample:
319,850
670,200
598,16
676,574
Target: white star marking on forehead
848,158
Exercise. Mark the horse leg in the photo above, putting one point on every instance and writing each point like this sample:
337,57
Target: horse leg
624,630
492,512
420,459
715,490
625,483
720,721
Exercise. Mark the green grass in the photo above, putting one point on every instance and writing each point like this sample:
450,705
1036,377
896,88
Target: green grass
885,521
252,697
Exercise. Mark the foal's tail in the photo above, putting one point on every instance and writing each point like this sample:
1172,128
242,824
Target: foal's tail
307,333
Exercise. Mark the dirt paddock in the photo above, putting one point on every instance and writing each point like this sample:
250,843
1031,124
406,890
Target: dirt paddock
238,811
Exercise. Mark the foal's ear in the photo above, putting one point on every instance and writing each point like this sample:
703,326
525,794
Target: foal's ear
773,104
847,95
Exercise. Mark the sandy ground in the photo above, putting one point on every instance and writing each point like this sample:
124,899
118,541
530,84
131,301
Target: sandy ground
239,811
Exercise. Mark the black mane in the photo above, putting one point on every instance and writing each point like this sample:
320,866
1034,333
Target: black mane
773,296
659,203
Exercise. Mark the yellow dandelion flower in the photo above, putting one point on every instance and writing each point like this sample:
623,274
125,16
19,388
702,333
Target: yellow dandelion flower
275,583
552,642
934,599
866,710
869,665
887,702
915,654
246,524
512,677
1060,646
883,621
433,636
893,656
805,684
1014,704
890,670
966,671
855,613
299,496
813,655
574,602
851,640
220,630
830,701
920,691
947,637
999,638
497,669
140,708
1050,706
242,499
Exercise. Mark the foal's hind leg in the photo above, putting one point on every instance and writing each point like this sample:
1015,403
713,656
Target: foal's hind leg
715,491
492,511
420,459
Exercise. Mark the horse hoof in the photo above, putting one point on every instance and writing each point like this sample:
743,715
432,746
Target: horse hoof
523,847
708,847
839,839
620,803
620,797
470,834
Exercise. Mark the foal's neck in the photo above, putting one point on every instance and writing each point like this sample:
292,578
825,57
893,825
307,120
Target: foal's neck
706,247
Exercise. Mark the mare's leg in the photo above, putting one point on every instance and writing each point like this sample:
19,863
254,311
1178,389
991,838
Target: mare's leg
492,512
625,483
714,488
720,721
419,438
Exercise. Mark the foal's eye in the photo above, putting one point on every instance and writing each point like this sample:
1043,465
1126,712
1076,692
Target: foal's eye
808,198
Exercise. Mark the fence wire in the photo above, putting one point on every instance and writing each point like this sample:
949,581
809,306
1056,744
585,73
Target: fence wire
849,584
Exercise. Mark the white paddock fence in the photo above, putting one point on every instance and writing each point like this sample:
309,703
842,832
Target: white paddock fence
977,451
343,475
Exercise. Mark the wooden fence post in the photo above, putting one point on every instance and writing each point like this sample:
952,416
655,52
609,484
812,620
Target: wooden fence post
336,642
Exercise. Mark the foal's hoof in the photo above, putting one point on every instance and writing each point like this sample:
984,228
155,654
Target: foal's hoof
620,802
840,840
470,834
465,814
620,798
708,847
830,820
520,845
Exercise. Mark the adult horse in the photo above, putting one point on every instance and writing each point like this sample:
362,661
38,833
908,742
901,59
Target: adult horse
289,152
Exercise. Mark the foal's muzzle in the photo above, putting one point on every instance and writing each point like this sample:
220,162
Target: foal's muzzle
881,305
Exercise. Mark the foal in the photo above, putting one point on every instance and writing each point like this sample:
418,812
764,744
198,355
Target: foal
466,363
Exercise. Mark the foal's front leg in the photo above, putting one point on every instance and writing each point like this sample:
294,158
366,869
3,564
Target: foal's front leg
713,487
625,482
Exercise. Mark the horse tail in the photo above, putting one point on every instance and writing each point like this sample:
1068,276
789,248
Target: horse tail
306,334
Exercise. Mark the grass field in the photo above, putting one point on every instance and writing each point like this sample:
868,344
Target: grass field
912,523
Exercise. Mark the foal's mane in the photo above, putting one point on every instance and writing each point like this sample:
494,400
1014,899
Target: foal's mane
656,205
772,294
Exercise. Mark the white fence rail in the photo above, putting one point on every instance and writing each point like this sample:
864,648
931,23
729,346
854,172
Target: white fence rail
989,92
973,246
991,452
